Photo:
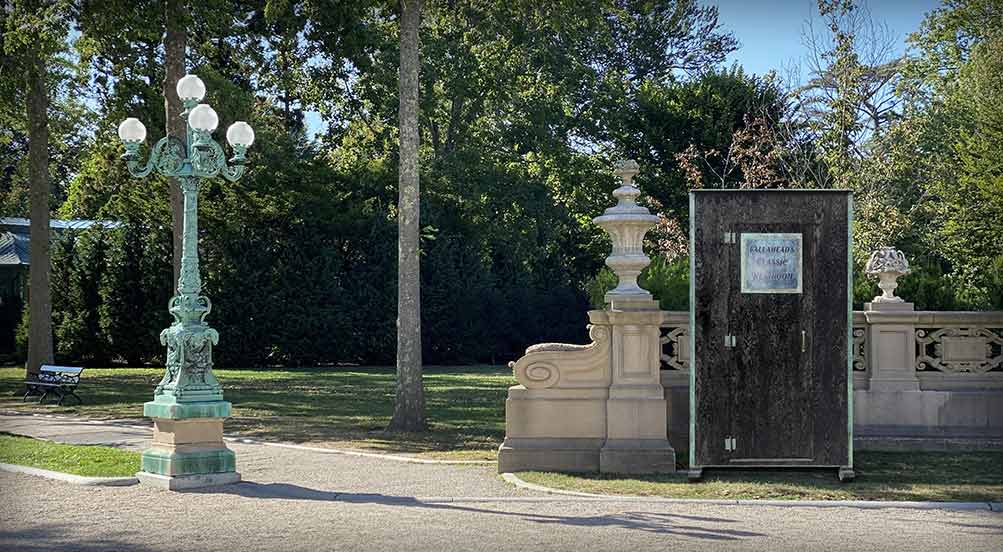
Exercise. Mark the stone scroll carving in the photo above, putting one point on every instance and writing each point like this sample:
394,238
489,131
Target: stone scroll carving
563,365
957,350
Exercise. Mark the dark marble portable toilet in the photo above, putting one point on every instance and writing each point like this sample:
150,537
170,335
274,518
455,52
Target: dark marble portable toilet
770,317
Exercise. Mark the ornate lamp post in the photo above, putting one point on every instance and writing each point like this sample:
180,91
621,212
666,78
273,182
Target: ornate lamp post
188,407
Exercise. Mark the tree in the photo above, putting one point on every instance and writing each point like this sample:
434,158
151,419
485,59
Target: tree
32,38
176,20
39,298
409,406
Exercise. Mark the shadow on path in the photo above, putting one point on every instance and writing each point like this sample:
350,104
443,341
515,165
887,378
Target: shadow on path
54,536
662,523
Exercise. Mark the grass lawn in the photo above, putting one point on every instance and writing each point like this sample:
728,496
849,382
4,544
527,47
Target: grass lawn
77,459
941,476
345,407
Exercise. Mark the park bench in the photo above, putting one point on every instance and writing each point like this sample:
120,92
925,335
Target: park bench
59,380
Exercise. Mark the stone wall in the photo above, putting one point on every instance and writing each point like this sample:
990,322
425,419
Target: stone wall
922,379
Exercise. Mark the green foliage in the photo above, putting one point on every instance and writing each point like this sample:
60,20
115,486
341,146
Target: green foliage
933,182
839,124
926,286
524,108
30,28
696,115
133,283
78,334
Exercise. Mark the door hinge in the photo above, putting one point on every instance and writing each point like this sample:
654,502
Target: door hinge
729,342
730,444
729,237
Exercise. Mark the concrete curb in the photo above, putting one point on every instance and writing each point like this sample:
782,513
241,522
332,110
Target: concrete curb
71,478
862,504
249,441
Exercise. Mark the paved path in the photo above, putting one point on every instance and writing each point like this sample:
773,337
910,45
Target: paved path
297,500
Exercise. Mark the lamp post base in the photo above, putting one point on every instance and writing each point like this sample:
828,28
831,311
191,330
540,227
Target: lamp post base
182,482
188,449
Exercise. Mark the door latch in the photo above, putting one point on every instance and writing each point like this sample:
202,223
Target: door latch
730,444
729,342
804,341
729,237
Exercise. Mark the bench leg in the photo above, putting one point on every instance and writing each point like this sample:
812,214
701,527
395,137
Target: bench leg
62,396
77,397
29,390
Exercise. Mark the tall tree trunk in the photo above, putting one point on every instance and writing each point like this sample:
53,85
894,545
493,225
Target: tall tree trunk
39,297
174,68
409,407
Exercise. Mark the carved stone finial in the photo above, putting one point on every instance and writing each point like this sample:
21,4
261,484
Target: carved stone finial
888,265
627,223
627,170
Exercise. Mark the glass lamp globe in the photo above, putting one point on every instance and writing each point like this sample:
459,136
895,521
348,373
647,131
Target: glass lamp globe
203,117
191,87
240,134
132,130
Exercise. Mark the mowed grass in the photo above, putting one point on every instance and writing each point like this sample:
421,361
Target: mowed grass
970,476
86,460
346,407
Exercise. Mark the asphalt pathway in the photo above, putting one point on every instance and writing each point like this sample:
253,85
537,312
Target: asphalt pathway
294,499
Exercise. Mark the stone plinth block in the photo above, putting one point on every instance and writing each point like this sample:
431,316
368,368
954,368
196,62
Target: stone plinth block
182,482
637,456
554,454
190,462
167,407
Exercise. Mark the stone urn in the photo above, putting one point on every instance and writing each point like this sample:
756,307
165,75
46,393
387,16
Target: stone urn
627,223
887,264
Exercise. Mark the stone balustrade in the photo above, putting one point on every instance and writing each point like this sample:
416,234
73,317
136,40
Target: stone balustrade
916,375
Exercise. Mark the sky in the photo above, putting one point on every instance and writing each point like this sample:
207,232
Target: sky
770,32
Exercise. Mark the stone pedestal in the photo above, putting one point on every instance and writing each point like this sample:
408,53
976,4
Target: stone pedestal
892,342
188,449
588,408
636,439
601,406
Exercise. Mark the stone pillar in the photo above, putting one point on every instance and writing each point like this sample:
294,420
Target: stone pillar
892,326
891,341
636,438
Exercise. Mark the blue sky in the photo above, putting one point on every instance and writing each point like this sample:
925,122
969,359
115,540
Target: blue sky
770,32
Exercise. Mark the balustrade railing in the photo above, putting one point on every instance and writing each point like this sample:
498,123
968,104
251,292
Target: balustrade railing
953,350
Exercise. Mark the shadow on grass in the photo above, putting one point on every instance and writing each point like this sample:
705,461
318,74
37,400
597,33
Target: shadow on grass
938,476
660,523
465,405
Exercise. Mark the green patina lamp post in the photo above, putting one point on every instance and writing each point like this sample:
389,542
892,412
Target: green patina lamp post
188,407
